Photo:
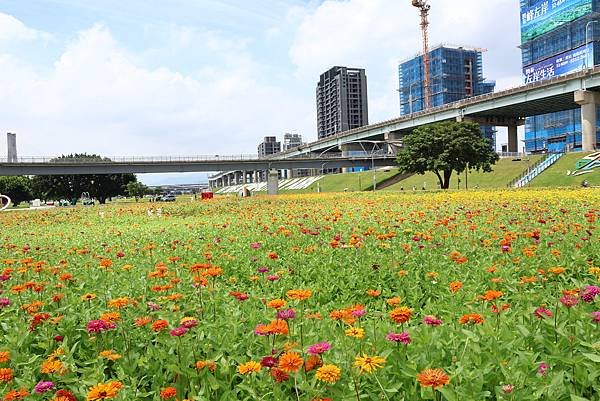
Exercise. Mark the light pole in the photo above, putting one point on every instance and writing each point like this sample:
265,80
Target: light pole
587,41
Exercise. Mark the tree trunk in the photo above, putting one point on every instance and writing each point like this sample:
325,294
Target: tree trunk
439,179
447,174
102,200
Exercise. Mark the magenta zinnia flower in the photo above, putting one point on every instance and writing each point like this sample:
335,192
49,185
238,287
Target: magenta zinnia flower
262,269
319,348
432,321
269,362
542,369
286,314
589,293
98,326
4,302
569,301
42,387
178,331
190,323
596,317
542,313
403,338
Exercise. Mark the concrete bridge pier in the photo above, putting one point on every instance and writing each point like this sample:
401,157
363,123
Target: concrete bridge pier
273,182
588,101
513,139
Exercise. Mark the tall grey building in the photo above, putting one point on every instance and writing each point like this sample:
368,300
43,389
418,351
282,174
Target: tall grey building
291,141
269,146
341,100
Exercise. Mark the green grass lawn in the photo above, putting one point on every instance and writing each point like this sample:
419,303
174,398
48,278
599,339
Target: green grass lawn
347,181
504,172
556,175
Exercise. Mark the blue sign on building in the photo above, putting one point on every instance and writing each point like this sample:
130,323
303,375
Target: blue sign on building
549,14
571,61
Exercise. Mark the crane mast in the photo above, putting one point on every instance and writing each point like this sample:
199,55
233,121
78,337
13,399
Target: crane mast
424,9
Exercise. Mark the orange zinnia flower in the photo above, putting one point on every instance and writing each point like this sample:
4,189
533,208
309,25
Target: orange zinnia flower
279,327
455,286
433,378
4,356
159,325
6,375
471,318
290,362
299,295
168,392
491,295
104,391
249,367
16,395
401,314
276,304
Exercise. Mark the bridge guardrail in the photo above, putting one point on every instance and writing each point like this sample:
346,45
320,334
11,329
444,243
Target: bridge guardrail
171,159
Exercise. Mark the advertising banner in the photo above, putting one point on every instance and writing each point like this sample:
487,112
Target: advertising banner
549,14
564,63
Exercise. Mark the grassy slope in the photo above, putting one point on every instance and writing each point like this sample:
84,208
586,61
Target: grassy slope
556,175
504,171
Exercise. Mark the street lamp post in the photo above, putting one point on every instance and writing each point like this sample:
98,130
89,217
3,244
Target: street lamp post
587,41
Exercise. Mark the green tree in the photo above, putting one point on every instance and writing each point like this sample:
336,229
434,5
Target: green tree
136,189
445,147
17,188
99,186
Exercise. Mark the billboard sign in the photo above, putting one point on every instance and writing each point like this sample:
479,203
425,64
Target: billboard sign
564,63
549,14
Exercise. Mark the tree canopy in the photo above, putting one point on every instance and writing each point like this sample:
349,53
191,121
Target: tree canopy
99,186
446,147
17,188
136,189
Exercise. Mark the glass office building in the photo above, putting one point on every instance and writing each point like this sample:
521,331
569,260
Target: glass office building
455,73
557,37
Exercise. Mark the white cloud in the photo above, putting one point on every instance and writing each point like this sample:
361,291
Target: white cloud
11,29
97,99
377,34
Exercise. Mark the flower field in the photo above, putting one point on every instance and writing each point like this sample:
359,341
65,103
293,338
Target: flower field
459,296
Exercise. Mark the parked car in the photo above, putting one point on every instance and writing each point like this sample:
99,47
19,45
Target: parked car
169,198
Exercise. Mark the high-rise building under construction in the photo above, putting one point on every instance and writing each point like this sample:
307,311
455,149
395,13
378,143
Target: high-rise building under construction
557,37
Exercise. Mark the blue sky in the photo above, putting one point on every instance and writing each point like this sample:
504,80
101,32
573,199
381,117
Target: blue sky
196,77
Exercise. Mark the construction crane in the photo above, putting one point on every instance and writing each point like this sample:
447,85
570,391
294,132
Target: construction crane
424,8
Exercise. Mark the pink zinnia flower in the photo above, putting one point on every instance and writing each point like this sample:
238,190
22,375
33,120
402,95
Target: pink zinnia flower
569,301
98,326
542,369
273,277
542,313
358,312
319,348
178,331
255,245
403,338
286,314
153,306
4,302
589,293
596,317
262,269
190,323
42,387
431,321
508,388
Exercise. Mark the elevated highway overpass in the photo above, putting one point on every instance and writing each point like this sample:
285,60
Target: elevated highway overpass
506,108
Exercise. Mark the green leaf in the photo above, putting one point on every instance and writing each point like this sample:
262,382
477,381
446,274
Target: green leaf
593,357
578,398
449,394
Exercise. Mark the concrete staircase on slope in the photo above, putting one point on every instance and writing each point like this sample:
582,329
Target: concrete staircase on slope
388,182
536,170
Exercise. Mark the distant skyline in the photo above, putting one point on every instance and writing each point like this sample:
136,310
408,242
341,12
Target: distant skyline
195,77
